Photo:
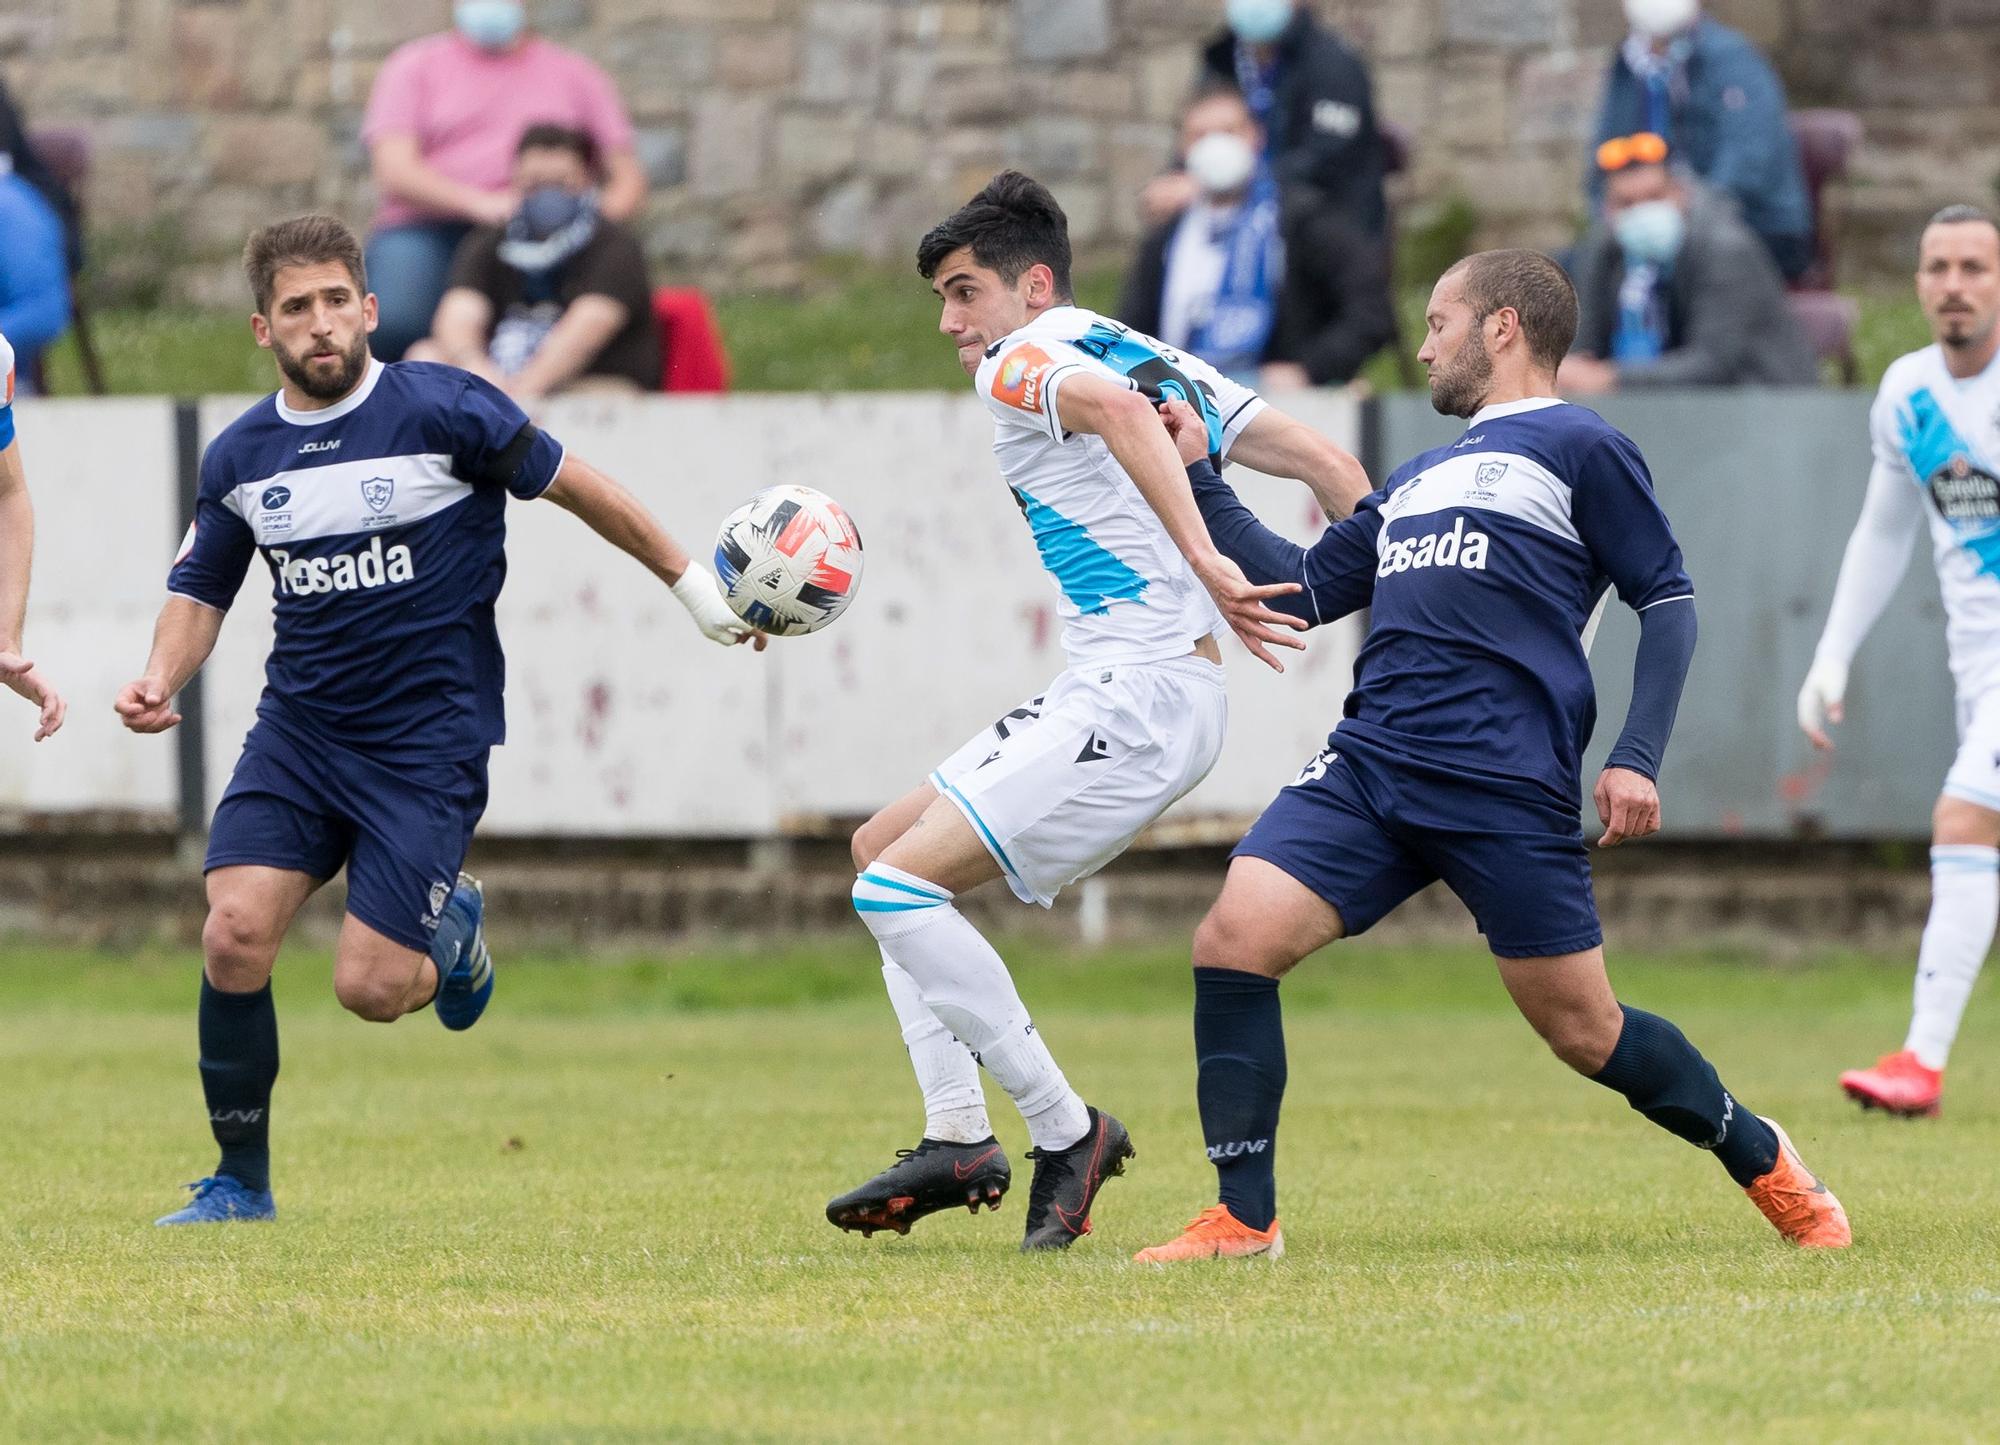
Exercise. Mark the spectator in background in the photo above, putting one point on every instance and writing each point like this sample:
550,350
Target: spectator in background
1718,103
557,297
1674,289
34,271
18,152
1277,292
444,120
1310,95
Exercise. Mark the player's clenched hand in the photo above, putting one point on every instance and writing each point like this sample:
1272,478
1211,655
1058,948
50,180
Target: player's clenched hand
697,590
1189,431
1628,805
1256,625
1820,701
22,676
146,706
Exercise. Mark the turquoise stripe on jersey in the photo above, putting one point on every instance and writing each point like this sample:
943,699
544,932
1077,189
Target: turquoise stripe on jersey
1934,447
1090,577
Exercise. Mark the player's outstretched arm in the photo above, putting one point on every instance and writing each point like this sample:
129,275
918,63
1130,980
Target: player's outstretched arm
182,640
1130,428
1336,573
622,520
1282,446
1878,553
17,547
1627,792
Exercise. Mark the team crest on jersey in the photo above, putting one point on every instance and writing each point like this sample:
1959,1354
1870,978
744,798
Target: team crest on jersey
1019,381
378,492
439,893
1966,494
1489,473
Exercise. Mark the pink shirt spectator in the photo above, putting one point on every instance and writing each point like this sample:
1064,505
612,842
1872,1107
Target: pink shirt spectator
467,108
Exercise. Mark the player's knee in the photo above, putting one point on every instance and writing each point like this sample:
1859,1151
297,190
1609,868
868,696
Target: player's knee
868,842
370,996
1956,822
1581,1036
238,947
1229,938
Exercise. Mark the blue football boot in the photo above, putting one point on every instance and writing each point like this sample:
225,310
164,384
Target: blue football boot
465,968
220,1199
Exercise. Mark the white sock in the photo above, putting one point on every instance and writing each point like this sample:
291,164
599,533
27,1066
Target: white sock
1965,904
954,1104
964,983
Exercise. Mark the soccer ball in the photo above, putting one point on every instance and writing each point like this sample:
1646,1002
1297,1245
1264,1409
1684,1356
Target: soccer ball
789,560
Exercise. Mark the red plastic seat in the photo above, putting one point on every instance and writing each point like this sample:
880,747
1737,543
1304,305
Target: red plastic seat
692,357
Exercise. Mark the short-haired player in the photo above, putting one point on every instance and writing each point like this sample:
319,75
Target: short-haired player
1061,784
1935,434
1459,757
378,497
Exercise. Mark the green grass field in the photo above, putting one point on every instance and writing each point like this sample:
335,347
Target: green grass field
597,1217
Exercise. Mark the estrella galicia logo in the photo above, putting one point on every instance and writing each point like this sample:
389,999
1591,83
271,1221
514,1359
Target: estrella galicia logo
377,492
275,498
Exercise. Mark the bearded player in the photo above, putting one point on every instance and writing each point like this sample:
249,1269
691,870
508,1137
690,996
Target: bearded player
1060,785
1459,755
377,495
1935,433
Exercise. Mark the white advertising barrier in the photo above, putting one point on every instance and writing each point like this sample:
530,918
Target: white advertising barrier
624,721
102,475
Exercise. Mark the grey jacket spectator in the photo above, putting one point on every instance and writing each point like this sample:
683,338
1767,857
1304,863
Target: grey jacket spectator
1712,302
1715,99
1311,95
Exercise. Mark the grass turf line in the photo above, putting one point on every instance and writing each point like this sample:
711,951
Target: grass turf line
597,1216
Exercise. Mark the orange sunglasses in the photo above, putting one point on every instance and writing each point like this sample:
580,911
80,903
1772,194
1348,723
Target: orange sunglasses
1643,149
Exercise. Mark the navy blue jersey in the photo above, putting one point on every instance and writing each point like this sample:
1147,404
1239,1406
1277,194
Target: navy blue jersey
1482,562
382,521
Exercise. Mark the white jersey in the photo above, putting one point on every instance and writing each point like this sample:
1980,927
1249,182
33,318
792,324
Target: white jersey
1936,443
1126,592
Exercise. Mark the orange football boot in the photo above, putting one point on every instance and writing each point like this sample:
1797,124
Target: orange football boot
1793,1198
1898,1084
1215,1233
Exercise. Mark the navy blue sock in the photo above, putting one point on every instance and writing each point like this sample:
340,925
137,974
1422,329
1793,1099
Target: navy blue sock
239,1064
1665,1078
1239,1049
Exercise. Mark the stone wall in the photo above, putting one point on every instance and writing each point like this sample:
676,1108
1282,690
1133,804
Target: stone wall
777,130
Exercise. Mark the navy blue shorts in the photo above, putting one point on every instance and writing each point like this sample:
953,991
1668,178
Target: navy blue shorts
310,805
1365,832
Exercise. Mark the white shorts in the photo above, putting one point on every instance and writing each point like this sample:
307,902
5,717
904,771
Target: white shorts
1975,772
1063,783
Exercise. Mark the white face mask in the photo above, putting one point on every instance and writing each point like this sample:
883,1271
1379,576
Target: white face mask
1221,163
1657,19
1650,233
1259,22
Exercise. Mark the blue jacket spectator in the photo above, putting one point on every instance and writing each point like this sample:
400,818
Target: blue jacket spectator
34,270
1718,103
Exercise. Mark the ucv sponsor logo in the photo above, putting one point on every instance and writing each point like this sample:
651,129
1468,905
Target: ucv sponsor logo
1456,548
350,572
1237,1148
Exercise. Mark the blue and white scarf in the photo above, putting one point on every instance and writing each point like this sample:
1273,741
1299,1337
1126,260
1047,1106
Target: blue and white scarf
1233,335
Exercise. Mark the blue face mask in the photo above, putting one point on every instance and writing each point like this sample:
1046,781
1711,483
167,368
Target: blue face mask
1259,22
490,24
1650,233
